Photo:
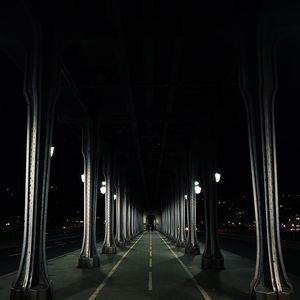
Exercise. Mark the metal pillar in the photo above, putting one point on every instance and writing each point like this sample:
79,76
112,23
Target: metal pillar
119,216
212,257
191,244
124,214
41,90
169,220
109,245
258,85
177,217
132,220
129,236
181,237
89,257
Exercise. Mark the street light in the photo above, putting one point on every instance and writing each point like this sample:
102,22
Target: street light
82,177
197,187
115,196
217,177
52,151
185,197
103,187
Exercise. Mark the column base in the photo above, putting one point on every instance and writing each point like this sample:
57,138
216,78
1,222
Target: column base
88,262
109,250
38,292
173,241
212,262
180,244
262,293
120,243
192,249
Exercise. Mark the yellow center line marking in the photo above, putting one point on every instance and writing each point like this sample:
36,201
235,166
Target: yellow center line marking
104,282
200,288
150,282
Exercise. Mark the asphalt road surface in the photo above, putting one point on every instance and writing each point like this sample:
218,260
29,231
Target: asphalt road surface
10,257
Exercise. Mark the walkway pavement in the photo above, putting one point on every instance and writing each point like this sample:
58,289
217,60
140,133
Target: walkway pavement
150,268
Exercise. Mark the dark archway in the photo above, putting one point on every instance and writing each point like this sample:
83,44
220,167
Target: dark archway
151,222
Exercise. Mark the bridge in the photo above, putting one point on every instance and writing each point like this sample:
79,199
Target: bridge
166,108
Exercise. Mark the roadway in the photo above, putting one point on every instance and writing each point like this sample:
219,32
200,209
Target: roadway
149,268
60,245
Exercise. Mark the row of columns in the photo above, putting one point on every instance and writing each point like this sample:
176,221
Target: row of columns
42,81
179,215
258,86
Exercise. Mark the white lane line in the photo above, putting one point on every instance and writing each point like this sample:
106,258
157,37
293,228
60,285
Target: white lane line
200,288
150,282
150,262
150,253
16,254
104,282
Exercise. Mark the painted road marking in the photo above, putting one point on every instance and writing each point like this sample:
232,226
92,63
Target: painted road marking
200,288
150,287
104,282
150,282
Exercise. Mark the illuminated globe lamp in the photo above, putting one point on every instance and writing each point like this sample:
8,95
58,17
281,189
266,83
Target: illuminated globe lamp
197,188
103,188
51,151
217,177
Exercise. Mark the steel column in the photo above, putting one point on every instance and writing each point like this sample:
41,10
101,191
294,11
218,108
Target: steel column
181,237
212,257
109,245
259,85
191,244
42,76
89,257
